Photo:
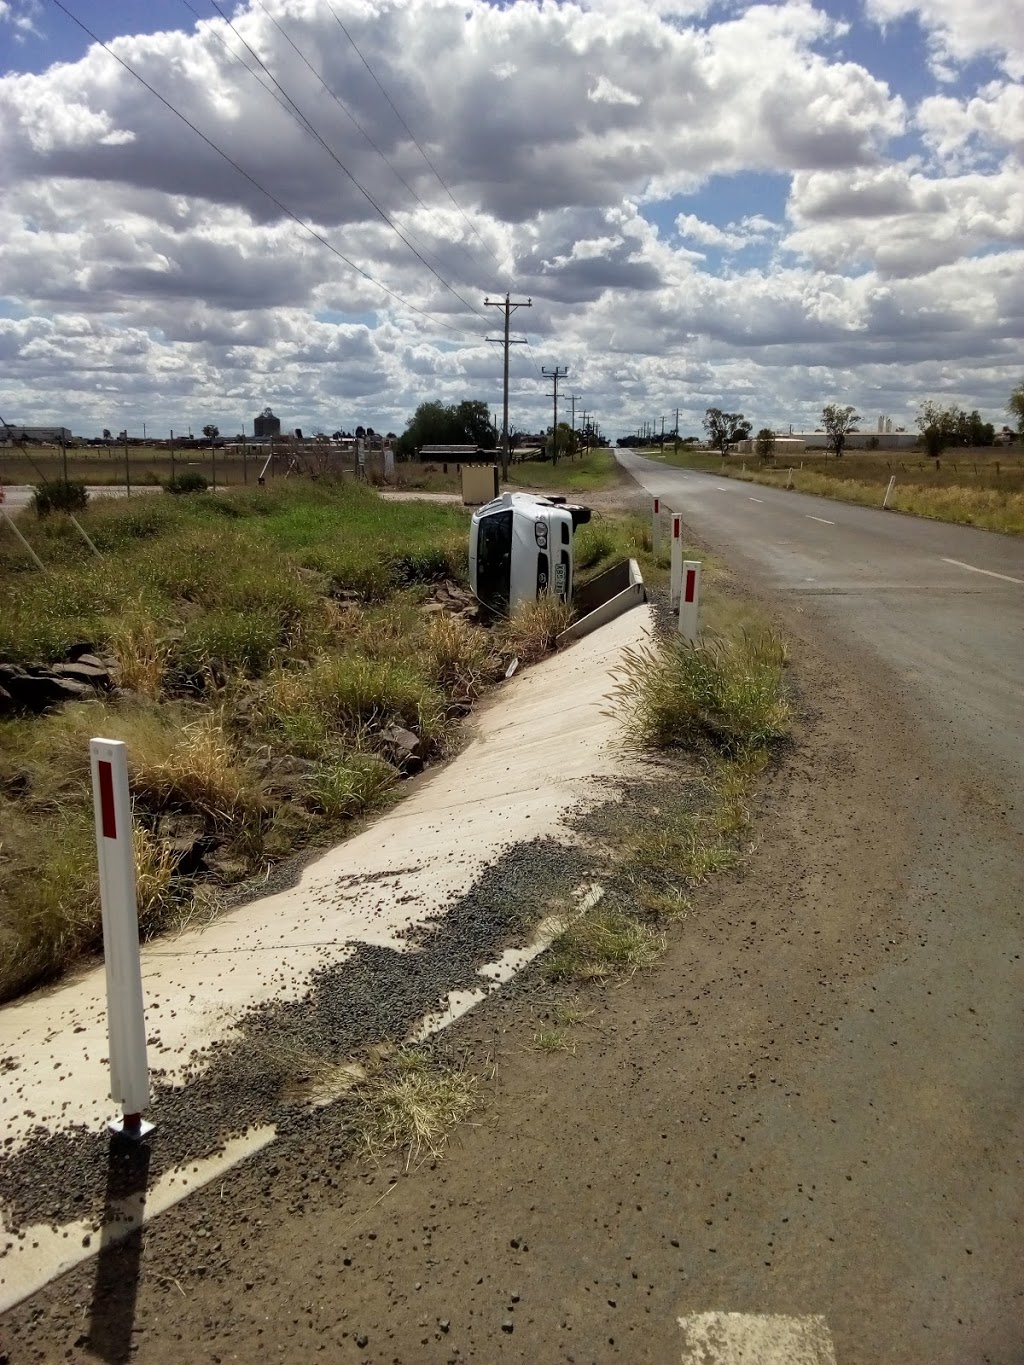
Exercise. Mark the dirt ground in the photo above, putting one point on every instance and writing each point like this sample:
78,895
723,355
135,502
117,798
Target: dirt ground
719,1136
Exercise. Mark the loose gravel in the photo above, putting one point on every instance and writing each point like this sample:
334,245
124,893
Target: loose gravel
376,995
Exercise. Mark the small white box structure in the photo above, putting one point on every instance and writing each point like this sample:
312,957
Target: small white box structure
126,1022
676,580
656,526
689,602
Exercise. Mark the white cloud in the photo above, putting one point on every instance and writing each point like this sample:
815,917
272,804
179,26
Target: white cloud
902,222
960,30
992,119
735,237
607,92
144,275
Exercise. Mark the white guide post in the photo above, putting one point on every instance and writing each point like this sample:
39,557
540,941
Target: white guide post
656,526
675,582
689,602
126,1022
885,500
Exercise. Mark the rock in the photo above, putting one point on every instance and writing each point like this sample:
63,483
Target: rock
405,749
508,1326
95,675
79,648
37,690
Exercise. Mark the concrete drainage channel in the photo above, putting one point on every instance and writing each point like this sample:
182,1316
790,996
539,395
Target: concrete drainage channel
393,935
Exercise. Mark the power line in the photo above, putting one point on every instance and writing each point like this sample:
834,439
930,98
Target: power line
305,123
253,181
349,114
437,173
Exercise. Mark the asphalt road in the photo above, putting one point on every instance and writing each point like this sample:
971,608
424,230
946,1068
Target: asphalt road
933,616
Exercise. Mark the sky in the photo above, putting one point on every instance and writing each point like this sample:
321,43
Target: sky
758,207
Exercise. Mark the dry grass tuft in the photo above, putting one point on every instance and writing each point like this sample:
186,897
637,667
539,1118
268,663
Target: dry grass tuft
724,694
411,1104
601,944
532,629
459,657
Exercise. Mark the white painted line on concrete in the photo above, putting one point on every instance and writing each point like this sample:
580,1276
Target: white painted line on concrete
757,499
755,1339
721,488
824,520
972,568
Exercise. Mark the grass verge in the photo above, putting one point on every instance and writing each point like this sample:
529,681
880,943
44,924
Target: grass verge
265,645
964,492
706,717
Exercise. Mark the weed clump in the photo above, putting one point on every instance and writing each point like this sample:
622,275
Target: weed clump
59,495
722,694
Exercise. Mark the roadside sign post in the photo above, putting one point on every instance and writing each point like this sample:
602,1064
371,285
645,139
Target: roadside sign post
656,526
126,1023
689,602
885,500
676,580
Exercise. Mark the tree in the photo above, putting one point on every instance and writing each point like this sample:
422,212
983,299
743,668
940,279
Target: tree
724,428
938,426
1015,407
106,433
360,433
465,423
765,445
837,422
211,432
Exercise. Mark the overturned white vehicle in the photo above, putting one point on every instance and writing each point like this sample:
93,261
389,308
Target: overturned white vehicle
521,548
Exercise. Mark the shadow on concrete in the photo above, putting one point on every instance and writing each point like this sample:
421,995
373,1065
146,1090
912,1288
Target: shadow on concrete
119,1263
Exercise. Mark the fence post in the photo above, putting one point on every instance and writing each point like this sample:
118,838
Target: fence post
656,527
676,579
789,481
689,602
885,500
126,1022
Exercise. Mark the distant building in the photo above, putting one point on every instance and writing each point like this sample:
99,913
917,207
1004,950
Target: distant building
266,425
54,435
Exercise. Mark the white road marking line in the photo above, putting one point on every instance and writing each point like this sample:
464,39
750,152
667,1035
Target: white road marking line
721,488
824,520
974,569
756,1339
757,499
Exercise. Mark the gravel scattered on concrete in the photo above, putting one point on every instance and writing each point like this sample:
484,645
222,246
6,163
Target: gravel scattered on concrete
374,996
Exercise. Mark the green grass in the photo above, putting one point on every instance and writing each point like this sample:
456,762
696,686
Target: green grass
585,474
266,640
603,943
724,694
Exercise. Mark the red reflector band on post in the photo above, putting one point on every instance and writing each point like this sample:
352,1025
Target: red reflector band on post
108,819
676,526
691,584
657,504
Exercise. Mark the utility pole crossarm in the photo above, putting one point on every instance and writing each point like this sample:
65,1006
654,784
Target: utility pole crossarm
509,308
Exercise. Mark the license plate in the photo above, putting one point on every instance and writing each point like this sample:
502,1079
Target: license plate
560,583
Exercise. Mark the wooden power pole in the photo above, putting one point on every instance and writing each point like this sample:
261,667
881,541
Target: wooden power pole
509,308
559,372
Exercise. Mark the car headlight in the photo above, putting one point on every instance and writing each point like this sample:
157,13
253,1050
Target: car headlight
540,532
